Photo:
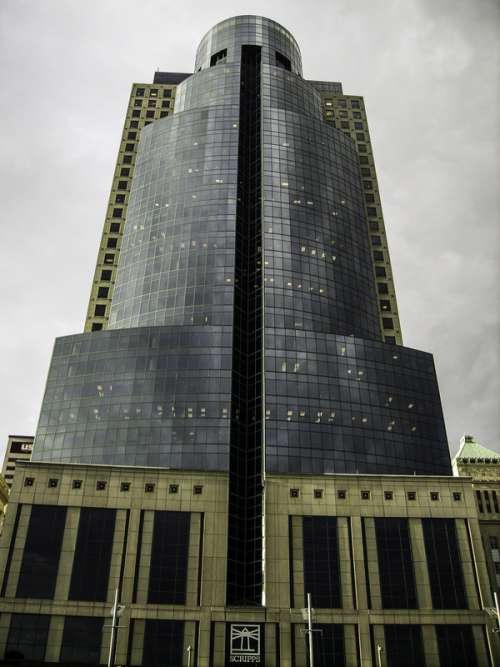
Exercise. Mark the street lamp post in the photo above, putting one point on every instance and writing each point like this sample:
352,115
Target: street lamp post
307,615
116,612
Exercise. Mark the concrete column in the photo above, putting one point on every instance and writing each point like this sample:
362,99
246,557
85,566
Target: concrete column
204,642
286,638
480,646
345,563
54,639
193,561
213,591
67,554
277,561
372,556
422,583
298,562
429,641
479,559
359,563
6,537
145,558
137,643
301,645
130,557
116,554
270,645
189,640
350,639
220,644
17,554
121,642
467,564
365,646
379,640
4,631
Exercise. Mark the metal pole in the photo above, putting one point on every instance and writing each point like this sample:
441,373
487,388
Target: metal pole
189,655
310,631
113,630
379,655
495,595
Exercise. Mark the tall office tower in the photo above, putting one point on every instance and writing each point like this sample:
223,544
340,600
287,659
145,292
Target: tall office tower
246,429
244,330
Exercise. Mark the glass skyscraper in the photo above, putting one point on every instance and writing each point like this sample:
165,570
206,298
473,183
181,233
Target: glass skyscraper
244,332
240,424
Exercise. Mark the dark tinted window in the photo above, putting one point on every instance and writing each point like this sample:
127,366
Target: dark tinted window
321,561
163,643
169,557
403,646
81,640
38,575
100,310
27,637
283,61
218,57
397,581
328,645
456,646
443,561
94,544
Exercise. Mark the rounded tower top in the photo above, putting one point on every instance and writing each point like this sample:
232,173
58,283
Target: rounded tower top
223,42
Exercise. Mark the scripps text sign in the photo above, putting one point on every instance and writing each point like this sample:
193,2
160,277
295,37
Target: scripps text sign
244,643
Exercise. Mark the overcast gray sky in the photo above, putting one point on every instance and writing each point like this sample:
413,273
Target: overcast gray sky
429,72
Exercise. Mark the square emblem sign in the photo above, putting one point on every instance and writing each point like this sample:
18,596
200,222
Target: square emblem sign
244,643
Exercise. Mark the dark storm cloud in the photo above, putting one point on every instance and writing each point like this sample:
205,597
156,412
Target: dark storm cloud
429,73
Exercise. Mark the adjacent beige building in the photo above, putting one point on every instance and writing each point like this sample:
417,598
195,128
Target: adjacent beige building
4,499
147,102
348,113
483,466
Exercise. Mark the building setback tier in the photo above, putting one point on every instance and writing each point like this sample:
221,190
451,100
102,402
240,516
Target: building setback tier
162,396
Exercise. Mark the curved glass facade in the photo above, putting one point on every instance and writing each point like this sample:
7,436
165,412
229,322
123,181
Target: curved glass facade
246,215
227,37
338,404
244,332
158,396
317,263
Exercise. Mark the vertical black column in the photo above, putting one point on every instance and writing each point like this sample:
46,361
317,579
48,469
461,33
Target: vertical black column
244,575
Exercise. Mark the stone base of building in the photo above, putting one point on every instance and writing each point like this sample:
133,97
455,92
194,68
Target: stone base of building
75,533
